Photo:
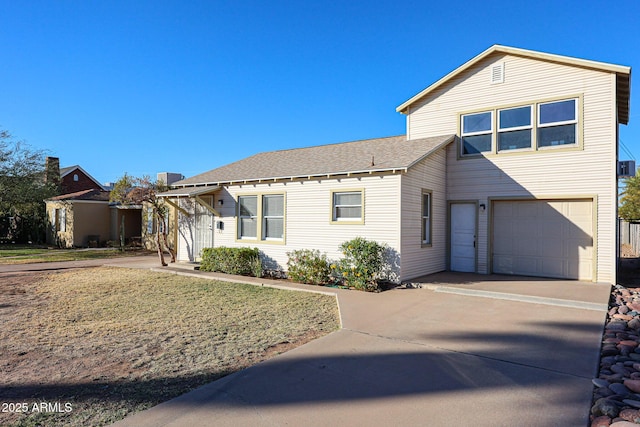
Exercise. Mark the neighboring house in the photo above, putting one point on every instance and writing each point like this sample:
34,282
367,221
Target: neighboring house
508,166
78,219
87,219
74,179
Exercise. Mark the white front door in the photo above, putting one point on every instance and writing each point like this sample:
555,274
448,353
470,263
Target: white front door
203,229
463,237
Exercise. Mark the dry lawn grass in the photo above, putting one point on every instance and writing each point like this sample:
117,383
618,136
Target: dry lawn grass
112,341
8,255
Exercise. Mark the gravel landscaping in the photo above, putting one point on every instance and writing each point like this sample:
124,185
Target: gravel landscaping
616,397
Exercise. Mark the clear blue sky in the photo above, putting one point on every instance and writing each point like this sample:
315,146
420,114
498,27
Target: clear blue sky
186,86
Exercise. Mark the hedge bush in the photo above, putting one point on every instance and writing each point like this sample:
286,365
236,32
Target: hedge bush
362,263
244,261
308,266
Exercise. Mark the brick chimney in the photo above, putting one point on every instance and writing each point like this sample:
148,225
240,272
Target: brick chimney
52,170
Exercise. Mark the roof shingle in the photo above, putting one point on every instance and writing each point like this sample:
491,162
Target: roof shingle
92,194
371,155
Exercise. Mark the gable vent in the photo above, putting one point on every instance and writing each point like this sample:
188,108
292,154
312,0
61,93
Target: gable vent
497,73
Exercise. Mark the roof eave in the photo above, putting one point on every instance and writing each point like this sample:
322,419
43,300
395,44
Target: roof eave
312,176
180,192
623,92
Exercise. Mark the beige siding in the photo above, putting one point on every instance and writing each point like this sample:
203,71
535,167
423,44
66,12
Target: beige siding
418,259
90,219
83,219
586,172
308,217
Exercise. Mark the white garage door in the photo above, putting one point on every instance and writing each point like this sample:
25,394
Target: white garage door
552,238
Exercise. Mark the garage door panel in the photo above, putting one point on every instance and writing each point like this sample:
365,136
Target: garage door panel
552,238
527,266
553,248
554,267
526,247
527,211
551,229
503,246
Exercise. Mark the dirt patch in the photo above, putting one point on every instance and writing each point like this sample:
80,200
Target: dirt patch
87,347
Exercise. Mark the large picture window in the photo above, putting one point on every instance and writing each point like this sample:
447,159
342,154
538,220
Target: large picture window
477,132
347,206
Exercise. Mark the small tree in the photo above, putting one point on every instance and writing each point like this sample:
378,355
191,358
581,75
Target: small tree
129,190
630,200
23,189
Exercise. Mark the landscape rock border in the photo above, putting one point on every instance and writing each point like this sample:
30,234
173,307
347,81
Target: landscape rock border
616,396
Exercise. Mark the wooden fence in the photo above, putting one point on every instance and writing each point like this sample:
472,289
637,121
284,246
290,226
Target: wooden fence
630,235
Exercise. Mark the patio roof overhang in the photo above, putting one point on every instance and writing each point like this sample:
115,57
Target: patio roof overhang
189,192
192,193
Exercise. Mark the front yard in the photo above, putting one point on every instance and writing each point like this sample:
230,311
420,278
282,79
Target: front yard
10,254
89,346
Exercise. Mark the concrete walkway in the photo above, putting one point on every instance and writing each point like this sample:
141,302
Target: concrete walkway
463,350
428,356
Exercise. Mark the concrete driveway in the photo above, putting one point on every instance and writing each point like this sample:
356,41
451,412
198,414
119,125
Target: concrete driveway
465,350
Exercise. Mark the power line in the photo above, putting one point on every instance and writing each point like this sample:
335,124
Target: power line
626,149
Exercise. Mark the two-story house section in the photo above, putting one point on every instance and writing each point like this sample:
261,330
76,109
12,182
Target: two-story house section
531,178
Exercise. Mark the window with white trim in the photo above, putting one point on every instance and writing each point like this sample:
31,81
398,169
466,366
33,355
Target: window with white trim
273,216
347,206
477,132
61,219
557,123
247,217
426,217
514,128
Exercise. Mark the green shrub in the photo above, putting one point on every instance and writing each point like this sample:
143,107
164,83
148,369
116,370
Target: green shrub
231,260
362,263
308,266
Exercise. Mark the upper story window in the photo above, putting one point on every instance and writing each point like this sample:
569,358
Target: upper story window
557,123
527,128
477,132
347,206
514,128
75,177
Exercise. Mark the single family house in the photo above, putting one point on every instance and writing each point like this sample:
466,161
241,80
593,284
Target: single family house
508,166
74,179
83,216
